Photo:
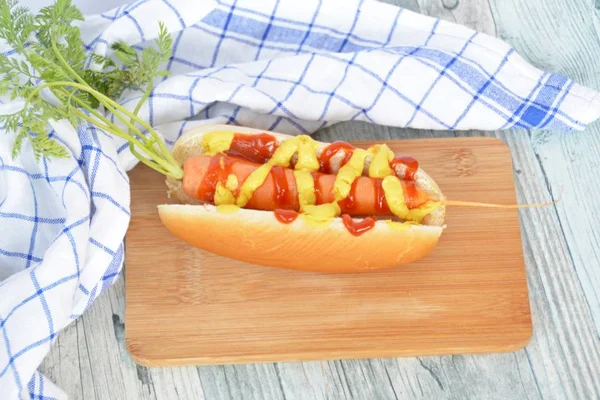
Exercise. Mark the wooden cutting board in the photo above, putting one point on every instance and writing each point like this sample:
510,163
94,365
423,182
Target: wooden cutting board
185,306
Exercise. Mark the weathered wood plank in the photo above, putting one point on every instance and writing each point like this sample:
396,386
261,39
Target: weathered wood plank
473,14
561,245
563,38
568,165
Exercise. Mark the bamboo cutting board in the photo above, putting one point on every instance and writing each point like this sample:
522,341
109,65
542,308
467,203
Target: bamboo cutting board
185,306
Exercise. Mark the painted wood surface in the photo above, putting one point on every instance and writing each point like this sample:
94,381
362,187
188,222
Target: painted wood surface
562,256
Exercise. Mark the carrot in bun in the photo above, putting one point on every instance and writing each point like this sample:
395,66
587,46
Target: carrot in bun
293,202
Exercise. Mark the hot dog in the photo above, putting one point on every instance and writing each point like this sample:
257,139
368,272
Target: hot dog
294,202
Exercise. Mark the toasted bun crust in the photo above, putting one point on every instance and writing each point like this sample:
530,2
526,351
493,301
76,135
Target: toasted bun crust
257,237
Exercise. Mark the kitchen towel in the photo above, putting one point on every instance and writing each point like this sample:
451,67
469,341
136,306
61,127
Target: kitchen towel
284,65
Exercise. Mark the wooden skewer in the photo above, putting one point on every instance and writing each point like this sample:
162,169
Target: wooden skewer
491,205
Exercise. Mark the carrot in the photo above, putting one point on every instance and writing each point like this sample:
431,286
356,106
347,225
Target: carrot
279,190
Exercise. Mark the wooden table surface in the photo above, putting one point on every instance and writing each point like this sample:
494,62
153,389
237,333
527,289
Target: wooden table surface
562,254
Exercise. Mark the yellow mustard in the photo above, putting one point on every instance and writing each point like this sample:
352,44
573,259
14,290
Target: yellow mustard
380,163
253,182
307,154
348,173
284,153
398,226
394,195
223,195
217,142
321,215
232,182
417,214
305,185
227,208
306,148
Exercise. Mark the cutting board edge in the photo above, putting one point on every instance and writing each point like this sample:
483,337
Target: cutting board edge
140,359
473,139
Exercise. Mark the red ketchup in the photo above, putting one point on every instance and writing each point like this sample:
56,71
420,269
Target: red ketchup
330,151
216,173
410,163
285,216
282,190
357,228
381,204
348,204
318,194
410,191
257,148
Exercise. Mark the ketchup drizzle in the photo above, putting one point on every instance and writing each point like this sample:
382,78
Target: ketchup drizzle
285,216
318,193
357,228
381,204
410,163
349,203
410,190
215,174
282,190
330,151
257,148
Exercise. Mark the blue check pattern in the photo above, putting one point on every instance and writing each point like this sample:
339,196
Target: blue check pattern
283,65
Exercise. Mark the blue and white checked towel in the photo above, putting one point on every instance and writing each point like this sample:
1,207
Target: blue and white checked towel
282,65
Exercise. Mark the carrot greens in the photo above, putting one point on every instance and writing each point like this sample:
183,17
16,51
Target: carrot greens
47,71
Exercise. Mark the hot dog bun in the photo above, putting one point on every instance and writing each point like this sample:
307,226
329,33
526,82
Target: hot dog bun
257,237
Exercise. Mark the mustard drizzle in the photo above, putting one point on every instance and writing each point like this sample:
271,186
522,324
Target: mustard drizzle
306,149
